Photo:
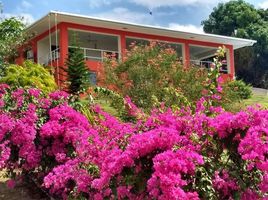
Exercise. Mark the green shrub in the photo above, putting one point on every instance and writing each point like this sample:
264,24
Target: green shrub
234,92
239,89
29,75
153,74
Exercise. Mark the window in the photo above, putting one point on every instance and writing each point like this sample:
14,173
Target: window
136,41
204,56
94,45
93,78
178,48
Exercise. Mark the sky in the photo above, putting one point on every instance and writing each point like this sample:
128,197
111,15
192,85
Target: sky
175,14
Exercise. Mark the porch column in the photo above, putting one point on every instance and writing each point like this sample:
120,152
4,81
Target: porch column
63,46
123,45
34,48
63,43
186,55
231,62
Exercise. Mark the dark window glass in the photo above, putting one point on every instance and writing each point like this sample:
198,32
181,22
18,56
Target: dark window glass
93,78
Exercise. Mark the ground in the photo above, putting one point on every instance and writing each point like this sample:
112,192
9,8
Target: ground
20,192
258,98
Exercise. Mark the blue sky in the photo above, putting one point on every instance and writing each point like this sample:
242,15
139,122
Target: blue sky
176,14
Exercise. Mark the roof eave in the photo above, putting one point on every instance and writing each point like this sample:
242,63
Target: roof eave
242,42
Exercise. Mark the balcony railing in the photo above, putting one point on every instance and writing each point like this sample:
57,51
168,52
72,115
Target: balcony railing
89,54
96,54
101,54
50,57
55,54
208,64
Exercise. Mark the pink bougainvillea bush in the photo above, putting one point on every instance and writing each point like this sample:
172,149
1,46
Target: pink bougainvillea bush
206,154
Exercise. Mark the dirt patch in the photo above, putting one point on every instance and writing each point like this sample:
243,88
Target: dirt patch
20,192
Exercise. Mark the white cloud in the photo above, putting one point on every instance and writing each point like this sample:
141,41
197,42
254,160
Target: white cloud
25,4
26,17
187,28
263,5
126,15
169,3
99,3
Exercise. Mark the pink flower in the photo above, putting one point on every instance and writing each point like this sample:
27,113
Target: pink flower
219,89
11,184
58,95
34,92
224,183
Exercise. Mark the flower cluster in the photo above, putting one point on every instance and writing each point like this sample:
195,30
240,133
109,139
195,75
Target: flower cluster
224,184
166,155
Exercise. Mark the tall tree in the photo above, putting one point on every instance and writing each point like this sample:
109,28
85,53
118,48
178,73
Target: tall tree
240,19
78,75
12,37
228,17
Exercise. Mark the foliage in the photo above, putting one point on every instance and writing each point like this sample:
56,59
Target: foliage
77,72
164,155
240,19
230,20
111,102
12,36
239,89
152,74
29,75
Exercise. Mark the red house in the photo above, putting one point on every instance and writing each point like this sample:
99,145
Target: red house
54,33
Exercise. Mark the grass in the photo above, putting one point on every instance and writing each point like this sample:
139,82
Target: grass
260,99
105,105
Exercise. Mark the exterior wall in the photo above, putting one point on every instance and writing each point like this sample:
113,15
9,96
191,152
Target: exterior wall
42,50
97,67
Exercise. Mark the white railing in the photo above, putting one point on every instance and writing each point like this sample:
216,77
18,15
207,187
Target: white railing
96,54
54,55
50,57
89,54
208,64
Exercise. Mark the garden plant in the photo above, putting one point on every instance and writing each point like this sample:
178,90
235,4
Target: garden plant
192,150
29,75
151,74
170,154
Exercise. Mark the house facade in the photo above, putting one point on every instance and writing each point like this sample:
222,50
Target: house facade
56,31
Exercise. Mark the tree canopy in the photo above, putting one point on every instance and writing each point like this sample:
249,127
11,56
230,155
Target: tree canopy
11,37
240,19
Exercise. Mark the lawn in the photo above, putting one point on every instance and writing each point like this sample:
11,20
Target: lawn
258,99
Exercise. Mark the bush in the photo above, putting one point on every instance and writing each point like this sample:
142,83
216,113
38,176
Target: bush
239,89
164,155
29,75
153,74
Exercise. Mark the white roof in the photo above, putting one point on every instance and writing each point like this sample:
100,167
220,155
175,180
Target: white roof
42,25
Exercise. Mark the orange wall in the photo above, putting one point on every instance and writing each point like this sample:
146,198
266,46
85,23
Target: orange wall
96,66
